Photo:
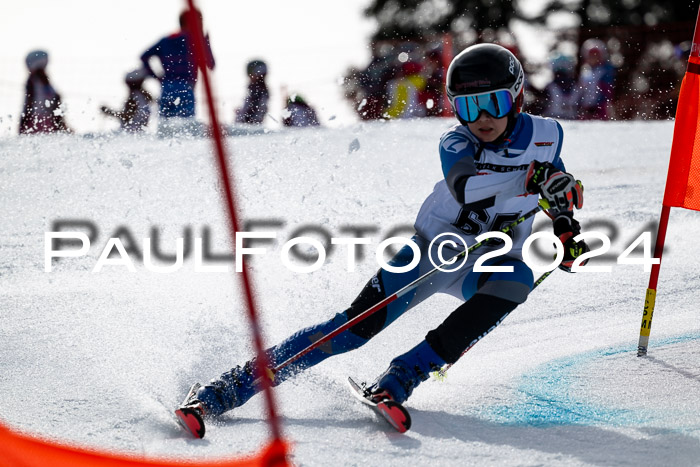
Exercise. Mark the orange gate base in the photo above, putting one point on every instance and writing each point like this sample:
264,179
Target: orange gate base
21,450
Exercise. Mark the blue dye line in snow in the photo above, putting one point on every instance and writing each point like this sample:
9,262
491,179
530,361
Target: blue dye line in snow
550,399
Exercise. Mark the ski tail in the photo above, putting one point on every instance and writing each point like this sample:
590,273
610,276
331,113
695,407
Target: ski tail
191,420
190,415
396,414
393,412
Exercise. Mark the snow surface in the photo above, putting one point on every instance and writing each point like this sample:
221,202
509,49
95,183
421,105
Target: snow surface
103,358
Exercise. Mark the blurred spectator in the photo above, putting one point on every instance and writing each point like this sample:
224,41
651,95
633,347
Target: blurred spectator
655,80
255,105
682,51
435,84
405,93
179,70
403,79
136,112
596,81
372,81
299,113
352,91
42,112
562,96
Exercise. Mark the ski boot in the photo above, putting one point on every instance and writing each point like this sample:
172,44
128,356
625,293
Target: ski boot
405,373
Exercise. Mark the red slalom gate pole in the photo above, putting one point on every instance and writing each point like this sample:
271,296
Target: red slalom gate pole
682,180
197,36
650,297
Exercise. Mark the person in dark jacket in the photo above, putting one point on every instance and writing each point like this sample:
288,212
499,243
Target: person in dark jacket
255,105
299,113
136,112
42,112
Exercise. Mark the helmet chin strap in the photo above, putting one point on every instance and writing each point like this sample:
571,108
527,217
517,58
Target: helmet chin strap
512,119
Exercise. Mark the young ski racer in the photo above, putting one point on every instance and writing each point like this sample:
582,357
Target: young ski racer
496,162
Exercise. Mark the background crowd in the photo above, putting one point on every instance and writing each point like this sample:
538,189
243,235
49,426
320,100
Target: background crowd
406,79
170,62
599,74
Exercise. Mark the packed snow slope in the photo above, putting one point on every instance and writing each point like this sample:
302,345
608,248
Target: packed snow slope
103,358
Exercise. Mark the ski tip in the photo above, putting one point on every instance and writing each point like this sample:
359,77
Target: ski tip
353,384
191,421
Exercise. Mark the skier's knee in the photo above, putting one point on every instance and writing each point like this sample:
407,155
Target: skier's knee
377,289
371,294
468,324
513,286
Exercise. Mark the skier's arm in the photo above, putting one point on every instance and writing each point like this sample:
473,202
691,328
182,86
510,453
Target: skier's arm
111,112
457,154
467,186
550,179
489,188
146,56
563,222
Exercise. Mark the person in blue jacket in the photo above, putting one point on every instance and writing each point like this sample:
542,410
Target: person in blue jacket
179,77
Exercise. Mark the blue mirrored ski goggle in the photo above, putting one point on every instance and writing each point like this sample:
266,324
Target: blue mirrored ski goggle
495,103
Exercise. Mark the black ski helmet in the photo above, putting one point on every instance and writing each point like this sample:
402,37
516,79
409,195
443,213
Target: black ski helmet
256,68
483,68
